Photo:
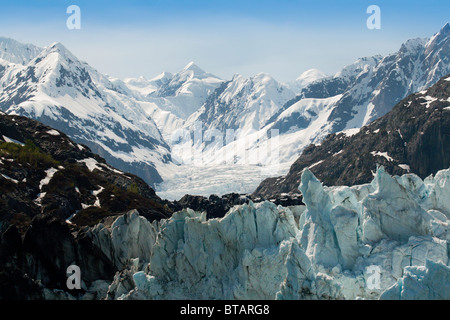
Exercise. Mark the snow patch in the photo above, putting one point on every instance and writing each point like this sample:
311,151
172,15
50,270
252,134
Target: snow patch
91,163
7,139
9,178
53,132
96,193
315,164
49,175
382,154
405,167
429,100
351,132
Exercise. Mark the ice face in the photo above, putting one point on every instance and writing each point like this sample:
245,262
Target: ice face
348,243
429,282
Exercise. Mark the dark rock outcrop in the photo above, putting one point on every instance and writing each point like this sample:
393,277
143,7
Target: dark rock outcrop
50,174
217,207
52,191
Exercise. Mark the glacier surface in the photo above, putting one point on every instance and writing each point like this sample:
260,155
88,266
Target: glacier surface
386,239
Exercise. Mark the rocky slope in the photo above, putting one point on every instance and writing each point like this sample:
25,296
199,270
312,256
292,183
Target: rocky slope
51,190
413,137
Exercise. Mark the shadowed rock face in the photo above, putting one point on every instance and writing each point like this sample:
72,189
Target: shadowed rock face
53,175
217,207
39,260
52,191
414,137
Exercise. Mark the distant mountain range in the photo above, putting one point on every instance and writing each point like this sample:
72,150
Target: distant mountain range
414,137
355,96
130,122
79,149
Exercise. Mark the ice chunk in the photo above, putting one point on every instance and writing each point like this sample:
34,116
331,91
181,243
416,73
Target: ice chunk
429,282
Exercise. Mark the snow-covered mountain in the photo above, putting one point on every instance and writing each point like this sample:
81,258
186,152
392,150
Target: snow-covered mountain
145,116
242,104
187,90
17,52
412,137
417,65
306,78
362,91
59,90
170,99
264,113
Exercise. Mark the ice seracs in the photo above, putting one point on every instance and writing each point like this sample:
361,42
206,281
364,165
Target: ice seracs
428,282
327,249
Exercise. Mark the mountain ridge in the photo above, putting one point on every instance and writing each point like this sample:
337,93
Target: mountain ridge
413,137
58,89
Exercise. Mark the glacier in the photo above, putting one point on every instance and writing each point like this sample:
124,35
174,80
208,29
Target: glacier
387,239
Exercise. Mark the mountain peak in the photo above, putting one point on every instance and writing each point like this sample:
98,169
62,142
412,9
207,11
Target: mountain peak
191,66
441,35
56,46
412,45
262,76
59,49
16,52
163,76
445,29
310,76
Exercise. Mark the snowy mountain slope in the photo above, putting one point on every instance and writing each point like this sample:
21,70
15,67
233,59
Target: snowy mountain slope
59,90
306,78
243,104
362,92
212,145
412,137
169,99
417,65
184,92
359,93
231,117
16,52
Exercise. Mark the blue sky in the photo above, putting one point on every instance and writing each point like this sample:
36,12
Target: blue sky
284,38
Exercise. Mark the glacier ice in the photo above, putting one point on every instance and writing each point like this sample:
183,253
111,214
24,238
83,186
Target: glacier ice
388,238
130,236
429,282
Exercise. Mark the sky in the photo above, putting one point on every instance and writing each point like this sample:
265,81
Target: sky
132,38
